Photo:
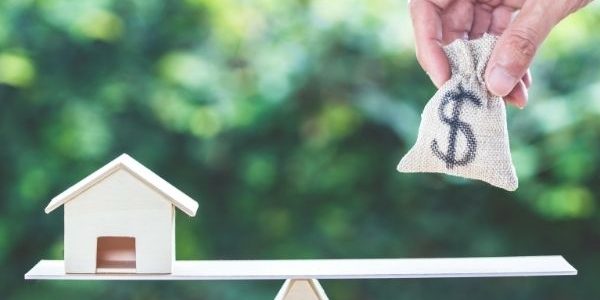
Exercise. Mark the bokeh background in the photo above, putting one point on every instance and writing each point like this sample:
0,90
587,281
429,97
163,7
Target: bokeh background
285,120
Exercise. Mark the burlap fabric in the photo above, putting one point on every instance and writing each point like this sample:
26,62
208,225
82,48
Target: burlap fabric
463,127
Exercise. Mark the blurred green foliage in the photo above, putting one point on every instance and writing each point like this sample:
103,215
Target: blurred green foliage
285,120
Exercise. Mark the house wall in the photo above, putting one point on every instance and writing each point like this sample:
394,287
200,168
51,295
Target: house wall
120,205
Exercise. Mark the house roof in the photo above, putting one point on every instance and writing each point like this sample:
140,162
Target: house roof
126,162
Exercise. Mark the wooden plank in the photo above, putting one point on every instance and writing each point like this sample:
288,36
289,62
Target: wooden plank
331,269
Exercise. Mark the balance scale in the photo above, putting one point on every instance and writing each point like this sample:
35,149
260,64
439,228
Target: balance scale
302,275
141,208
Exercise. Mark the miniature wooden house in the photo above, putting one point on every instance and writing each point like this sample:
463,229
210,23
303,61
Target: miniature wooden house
121,219
301,289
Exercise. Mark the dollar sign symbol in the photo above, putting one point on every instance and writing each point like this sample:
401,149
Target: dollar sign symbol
456,125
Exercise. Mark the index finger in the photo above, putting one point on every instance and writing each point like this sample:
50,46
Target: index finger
427,26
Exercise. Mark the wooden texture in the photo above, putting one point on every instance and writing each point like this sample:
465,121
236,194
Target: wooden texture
301,289
145,175
120,206
115,255
122,200
332,269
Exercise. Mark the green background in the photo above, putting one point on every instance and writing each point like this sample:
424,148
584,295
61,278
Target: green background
285,120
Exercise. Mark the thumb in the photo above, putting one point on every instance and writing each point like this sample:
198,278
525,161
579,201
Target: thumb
517,46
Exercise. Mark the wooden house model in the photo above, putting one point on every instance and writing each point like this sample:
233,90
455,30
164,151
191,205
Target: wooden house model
121,219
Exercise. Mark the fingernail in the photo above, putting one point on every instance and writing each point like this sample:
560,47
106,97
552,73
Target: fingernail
500,82
525,100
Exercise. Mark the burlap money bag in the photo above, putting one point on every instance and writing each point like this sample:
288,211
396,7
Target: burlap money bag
463,127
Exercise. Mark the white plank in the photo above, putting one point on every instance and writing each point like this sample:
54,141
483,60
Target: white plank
332,269
336,269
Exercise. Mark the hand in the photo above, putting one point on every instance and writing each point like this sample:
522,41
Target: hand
439,22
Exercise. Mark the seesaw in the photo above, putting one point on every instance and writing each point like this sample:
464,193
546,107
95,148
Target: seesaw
302,275
330,269
119,225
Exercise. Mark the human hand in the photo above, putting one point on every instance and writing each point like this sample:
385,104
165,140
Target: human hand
439,22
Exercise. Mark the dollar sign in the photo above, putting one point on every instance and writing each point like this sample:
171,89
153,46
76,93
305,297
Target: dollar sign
456,125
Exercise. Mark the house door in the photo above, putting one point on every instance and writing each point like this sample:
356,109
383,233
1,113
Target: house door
115,254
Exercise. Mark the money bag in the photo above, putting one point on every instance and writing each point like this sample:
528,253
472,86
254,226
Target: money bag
463,128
